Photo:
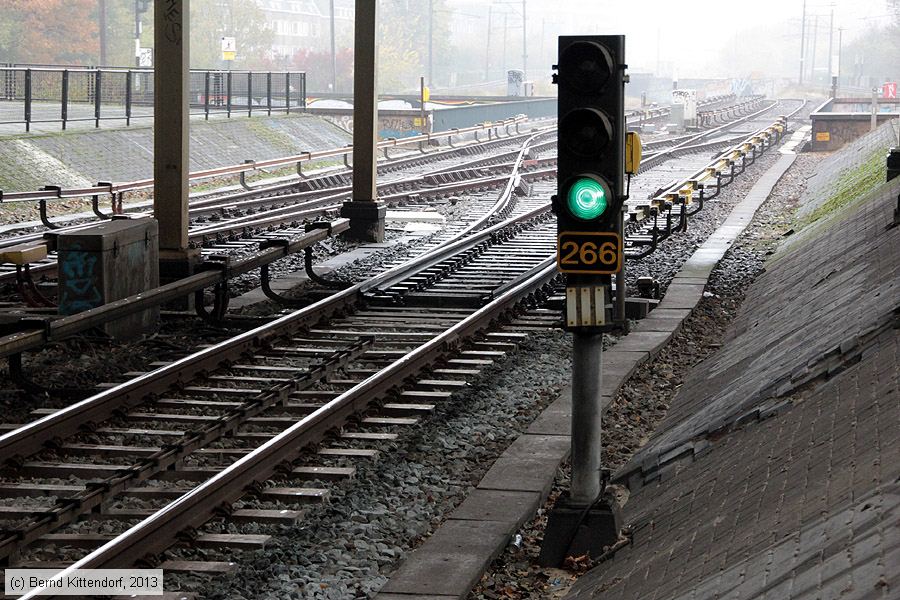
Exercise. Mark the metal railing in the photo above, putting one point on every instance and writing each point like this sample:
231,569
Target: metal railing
64,95
116,191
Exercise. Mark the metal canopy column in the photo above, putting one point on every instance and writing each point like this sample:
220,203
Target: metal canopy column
366,214
170,140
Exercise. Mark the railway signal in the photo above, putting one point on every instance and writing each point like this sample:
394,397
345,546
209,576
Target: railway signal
588,207
590,171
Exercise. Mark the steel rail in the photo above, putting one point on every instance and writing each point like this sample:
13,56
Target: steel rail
30,438
420,140
156,533
255,197
114,188
67,326
744,140
653,160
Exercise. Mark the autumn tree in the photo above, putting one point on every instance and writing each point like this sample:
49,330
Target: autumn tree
403,38
242,19
49,31
317,66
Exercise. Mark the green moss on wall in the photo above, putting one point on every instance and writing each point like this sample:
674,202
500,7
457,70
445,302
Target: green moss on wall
849,187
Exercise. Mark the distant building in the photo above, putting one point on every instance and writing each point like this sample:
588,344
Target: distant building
304,24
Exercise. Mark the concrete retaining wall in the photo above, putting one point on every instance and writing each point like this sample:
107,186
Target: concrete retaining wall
78,158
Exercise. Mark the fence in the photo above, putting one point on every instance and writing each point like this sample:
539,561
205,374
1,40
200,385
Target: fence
63,95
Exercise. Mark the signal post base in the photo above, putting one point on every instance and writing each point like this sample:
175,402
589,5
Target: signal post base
366,220
575,530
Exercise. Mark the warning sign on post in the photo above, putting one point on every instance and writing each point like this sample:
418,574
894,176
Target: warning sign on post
229,48
889,89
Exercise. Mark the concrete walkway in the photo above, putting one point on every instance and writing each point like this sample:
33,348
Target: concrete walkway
451,562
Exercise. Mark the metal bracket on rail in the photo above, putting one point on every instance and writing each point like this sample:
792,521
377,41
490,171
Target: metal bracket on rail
347,162
118,201
42,205
95,200
220,291
300,172
28,290
426,142
654,240
385,149
337,284
454,131
265,279
699,187
243,175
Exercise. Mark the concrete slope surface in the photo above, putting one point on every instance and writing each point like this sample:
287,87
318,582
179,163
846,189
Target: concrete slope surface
82,157
776,473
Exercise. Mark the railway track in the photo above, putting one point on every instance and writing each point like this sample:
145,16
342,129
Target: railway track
230,420
238,223
640,230
235,412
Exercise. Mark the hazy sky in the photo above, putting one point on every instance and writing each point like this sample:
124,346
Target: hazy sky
668,31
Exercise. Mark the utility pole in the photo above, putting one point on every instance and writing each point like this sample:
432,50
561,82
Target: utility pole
840,53
658,47
812,57
487,51
874,123
431,43
830,42
102,24
543,32
802,43
333,53
503,63
137,33
524,43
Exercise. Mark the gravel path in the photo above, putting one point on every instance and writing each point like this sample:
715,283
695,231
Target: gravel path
643,401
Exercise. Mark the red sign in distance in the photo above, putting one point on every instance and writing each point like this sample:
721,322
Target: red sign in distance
889,89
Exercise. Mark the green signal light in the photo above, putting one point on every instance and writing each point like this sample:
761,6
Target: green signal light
587,198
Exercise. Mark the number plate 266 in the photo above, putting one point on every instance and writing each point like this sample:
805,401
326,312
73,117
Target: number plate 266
591,253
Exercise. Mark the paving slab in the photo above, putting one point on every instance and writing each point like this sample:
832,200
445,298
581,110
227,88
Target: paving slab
451,561
658,324
618,365
500,506
687,278
681,295
643,341
521,475
662,312
538,446
556,419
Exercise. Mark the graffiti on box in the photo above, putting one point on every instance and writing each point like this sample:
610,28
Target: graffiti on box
79,281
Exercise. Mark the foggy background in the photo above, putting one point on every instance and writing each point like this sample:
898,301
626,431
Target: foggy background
472,43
